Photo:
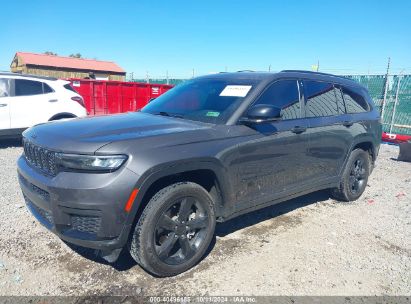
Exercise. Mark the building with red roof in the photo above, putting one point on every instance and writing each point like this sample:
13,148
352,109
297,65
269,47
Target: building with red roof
66,67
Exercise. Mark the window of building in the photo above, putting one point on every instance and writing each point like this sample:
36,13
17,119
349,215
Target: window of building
284,95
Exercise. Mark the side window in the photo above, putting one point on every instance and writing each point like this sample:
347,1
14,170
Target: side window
321,99
354,101
340,100
27,87
47,89
4,87
284,95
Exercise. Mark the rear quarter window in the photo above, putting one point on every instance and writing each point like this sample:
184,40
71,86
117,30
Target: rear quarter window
354,101
70,88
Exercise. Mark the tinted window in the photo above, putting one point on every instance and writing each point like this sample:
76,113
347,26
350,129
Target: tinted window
284,95
27,87
70,88
321,99
354,101
207,100
4,87
47,89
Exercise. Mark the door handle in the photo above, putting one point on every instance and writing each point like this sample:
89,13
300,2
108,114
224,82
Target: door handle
53,100
298,129
3,105
348,123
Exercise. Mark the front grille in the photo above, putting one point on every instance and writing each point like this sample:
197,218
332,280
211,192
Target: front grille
88,224
40,158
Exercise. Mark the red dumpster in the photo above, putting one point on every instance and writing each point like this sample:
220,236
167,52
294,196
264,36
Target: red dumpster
109,97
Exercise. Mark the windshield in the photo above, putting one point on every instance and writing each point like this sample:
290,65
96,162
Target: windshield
206,100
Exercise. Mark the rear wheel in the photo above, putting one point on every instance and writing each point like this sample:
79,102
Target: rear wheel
355,177
174,230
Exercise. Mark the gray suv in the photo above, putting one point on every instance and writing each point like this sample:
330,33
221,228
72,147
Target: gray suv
155,182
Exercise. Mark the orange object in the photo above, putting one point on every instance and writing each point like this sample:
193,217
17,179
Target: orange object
130,201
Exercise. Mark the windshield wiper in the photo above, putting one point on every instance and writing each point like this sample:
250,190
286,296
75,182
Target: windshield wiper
163,113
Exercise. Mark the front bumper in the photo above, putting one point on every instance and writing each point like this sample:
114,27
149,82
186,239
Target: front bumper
85,209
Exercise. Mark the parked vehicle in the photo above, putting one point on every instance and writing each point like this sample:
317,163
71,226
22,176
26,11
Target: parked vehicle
156,182
27,100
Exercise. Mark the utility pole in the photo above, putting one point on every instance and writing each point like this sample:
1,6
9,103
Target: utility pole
193,73
147,79
318,65
269,68
167,77
385,91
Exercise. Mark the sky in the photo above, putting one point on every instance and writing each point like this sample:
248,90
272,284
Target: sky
199,37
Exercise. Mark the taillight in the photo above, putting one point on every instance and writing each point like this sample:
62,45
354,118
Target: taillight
79,100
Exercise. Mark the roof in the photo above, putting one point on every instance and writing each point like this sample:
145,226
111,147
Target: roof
69,62
267,76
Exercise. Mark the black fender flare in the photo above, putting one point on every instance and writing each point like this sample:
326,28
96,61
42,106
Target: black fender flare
160,171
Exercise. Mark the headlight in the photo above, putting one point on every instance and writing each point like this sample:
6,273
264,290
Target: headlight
100,163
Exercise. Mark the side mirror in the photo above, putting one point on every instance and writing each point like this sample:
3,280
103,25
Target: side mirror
262,113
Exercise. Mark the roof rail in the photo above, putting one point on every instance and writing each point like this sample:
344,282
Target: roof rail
308,72
27,75
245,71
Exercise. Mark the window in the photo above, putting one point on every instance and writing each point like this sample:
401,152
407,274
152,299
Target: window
284,95
28,87
207,100
354,101
321,99
47,89
4,87
70,88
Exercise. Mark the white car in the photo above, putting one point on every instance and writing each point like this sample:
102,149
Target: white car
27,100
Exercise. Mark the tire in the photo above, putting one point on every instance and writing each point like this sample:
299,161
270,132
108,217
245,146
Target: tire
174,230
354,178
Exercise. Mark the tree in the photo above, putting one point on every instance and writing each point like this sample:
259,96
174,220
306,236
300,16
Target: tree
77,55
50,53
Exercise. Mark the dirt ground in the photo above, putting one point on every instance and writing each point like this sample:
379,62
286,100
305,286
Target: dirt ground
307,246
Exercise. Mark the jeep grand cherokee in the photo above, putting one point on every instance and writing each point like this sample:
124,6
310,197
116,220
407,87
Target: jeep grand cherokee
155,182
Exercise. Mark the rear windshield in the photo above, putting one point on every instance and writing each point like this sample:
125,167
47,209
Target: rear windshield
206,100
70,88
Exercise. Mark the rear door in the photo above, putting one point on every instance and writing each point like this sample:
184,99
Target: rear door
30,103
4,103
328,130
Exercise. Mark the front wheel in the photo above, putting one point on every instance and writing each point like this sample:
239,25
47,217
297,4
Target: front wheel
174,230
355,176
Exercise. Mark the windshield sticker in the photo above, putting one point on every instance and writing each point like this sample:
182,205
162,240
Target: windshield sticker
236,90
213,114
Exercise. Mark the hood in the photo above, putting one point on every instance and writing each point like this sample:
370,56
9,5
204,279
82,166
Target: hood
86,135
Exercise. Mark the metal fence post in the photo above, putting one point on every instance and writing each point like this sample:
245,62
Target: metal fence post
395,103
385,91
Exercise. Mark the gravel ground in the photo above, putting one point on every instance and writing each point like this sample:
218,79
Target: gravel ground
307,246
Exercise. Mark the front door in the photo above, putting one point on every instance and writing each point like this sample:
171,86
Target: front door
272,164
